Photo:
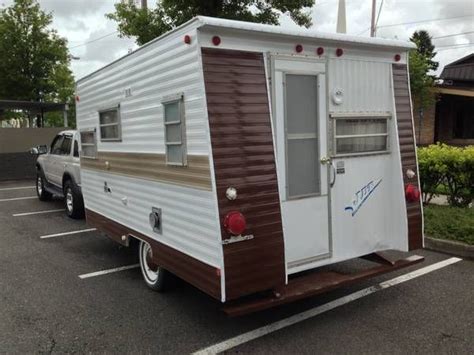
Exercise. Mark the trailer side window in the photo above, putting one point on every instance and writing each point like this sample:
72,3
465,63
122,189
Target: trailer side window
88,144
110,127
173,117
361,135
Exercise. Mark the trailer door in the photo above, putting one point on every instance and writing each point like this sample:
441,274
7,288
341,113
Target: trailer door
300,122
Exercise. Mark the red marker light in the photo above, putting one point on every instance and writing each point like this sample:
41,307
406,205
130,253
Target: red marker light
187,39
216,40
234,223
77,98
397,57
339,52
412,194
320,51
299,48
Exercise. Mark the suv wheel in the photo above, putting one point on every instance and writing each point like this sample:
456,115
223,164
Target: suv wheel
73,200
43,195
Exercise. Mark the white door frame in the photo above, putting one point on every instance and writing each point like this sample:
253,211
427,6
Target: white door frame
282,65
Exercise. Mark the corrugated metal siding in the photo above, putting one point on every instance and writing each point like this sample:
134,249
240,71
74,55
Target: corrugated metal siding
166,67
196,273
243,154
407,151
189,223
365,85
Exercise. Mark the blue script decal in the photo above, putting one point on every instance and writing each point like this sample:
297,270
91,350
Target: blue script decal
361,196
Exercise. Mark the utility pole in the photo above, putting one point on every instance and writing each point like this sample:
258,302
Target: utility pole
372,23
144,4
341,17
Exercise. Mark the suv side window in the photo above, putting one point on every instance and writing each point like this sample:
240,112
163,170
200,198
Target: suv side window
56,145
76,149
66,145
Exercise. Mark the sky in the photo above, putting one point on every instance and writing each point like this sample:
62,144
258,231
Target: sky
92,37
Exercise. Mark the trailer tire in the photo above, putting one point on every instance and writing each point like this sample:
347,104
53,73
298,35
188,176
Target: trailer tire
43,195
155,276
73,201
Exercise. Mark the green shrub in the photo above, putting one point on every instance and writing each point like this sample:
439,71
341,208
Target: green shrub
444,167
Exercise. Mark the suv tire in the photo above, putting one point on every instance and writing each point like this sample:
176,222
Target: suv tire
73,200
43,195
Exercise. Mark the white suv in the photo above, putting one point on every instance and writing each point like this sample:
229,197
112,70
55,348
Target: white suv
58,172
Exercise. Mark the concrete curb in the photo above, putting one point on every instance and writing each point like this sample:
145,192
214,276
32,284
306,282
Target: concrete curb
450,247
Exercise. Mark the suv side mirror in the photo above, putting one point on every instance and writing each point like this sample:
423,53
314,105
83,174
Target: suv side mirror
38,150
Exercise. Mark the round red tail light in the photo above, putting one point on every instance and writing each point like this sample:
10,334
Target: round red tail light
397,57
299,48
235,223
320,51
339,52
412,194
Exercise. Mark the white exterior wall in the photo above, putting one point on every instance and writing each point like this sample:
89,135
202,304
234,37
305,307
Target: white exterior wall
165,67
364,75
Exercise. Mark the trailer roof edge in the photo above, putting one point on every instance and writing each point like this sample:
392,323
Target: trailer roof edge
204,21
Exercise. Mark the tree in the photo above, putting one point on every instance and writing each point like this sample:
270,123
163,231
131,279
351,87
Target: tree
35,59
420,63
425,47
146,24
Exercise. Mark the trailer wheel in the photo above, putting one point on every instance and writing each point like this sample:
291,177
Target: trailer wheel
155,276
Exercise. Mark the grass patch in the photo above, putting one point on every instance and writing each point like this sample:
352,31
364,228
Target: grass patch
453,223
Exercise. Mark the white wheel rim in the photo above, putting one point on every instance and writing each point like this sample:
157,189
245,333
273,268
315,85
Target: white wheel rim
69,200
39,185
149,274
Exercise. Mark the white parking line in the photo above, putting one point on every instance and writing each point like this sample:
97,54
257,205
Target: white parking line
67,233
270,328
17,188
109,271
39,212
18,198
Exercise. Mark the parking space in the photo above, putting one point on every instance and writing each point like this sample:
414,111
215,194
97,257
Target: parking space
46,306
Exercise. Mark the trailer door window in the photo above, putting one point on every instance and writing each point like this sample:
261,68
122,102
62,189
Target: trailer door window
173,112
110,128
302,141
361,135
88,144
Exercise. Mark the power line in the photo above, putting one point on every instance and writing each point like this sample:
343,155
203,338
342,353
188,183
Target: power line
378,15
414,22
422,21
94,40
454,47
453,35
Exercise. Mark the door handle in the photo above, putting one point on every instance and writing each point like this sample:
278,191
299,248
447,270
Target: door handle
325,160
334,172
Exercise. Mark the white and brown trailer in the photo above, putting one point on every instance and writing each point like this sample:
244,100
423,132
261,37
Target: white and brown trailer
241,154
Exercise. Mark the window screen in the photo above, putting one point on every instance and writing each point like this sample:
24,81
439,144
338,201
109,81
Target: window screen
302,142
173,113
361,135
110,128
88,144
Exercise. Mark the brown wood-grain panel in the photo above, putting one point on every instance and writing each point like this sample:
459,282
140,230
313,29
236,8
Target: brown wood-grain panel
153,167
202,276
407,151
242,147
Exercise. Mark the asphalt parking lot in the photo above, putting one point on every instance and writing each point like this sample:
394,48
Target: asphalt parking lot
56,297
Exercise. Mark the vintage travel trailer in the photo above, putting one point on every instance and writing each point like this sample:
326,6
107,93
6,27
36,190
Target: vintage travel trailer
242,154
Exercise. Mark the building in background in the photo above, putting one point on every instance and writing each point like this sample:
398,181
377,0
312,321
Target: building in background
451,119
